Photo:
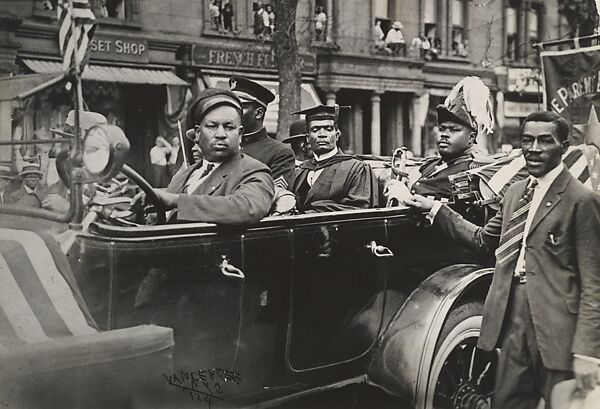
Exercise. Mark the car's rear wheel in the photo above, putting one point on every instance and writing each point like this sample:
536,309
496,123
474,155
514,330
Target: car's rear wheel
462,376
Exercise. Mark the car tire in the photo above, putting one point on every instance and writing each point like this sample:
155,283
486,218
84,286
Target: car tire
461,375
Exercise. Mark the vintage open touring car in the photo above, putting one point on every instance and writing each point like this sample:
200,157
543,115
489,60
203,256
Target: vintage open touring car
177,315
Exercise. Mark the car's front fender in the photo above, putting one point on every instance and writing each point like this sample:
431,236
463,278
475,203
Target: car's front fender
405,352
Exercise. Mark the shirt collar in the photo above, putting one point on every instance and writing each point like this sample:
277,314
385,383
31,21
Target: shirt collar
205,164
28,189
548,178
326,155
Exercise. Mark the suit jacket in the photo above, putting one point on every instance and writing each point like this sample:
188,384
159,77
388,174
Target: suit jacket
562,260
345,183
238,192
278,156
16,195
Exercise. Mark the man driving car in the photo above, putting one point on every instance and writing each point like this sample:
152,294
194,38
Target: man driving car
226,186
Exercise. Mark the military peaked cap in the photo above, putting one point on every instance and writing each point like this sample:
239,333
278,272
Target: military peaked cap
248,90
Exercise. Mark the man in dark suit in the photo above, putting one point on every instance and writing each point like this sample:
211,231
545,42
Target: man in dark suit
255,141
331,180
543,307
226,186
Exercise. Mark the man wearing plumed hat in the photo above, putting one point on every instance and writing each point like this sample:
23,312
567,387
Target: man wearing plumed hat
255,141
226,186
331,180
466,113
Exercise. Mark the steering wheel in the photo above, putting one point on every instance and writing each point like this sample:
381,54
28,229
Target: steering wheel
148,190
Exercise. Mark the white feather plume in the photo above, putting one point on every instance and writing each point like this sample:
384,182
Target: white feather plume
477,102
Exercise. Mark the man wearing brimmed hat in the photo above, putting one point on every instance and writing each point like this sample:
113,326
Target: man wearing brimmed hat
394,39
5,178
255,141
226,186
30,175
298,142
331,180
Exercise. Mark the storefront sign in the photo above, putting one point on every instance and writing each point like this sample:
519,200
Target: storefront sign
514,109
524,80
244,58
117,48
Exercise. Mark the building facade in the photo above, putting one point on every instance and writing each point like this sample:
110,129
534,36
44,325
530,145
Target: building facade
148,55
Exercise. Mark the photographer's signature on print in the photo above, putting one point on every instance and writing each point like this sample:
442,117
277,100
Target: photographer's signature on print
203,385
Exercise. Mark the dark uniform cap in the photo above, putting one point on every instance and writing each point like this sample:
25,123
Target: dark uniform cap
456,111
208,100
297,131
248,90
322,112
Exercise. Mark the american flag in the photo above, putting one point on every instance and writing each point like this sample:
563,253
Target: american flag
39,297
583,161
73,40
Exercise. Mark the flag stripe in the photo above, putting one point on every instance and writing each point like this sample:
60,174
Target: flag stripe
7,332
572,156
23,272
55,285
17,309
74,38
506,173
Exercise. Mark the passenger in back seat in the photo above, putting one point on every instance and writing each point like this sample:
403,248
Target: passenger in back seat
331,180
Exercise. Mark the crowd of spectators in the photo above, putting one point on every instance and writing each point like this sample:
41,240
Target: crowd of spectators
420,47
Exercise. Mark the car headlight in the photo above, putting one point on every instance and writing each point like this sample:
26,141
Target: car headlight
104,150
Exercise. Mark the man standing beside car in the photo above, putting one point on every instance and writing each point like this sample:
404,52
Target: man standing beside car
226,186
255,141
331,180
543,307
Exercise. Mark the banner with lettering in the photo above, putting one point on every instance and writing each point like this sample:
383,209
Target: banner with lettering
572,89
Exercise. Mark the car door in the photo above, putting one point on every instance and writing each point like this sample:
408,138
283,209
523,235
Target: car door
338,294
173,276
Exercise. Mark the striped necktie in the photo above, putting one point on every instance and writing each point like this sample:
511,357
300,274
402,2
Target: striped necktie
511,240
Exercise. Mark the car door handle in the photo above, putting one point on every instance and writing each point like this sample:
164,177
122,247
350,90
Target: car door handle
230,270
378,250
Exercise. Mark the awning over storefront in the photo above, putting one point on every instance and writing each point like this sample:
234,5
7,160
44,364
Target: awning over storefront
103,73
21,86
308,98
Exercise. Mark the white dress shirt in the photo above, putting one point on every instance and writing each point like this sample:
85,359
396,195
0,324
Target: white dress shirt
195,178
539,192
313,175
